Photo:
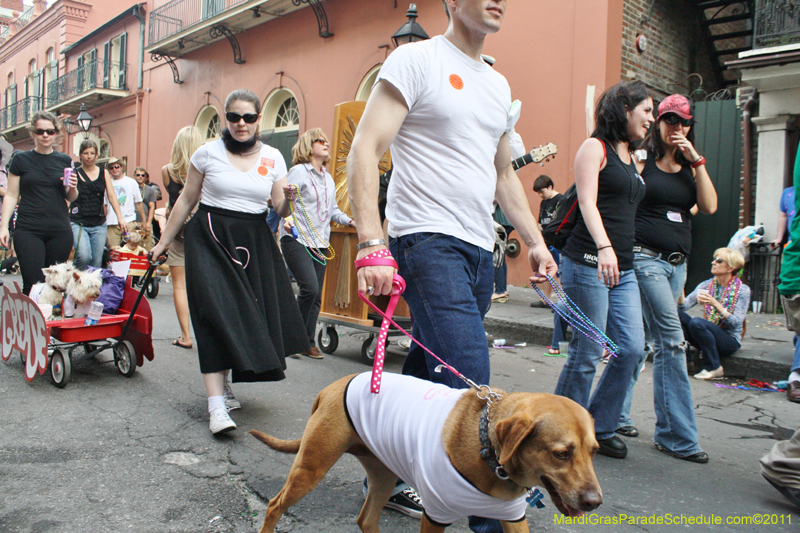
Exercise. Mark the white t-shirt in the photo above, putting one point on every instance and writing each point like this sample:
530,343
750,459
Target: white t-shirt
227,188
444,177
402,425
128,195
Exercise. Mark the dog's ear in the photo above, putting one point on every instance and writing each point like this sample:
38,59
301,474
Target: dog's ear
76,275
511,432
46,271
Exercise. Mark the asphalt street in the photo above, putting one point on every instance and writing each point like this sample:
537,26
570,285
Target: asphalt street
112,454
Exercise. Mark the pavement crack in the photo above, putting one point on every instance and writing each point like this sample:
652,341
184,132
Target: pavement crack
764,421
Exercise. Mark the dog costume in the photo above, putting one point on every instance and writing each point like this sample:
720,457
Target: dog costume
402,425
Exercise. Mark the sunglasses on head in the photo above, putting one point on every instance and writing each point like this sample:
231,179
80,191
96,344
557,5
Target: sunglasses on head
233,118
672,119
38,131
315,141
114,167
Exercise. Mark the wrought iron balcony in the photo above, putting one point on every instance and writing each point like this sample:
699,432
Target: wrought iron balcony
92,79
777,23
20,112
182,26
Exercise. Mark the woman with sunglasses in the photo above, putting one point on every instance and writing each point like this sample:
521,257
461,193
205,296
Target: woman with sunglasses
243,310
43,236
677,180
86,214
305,255
597,260
148,205
725,299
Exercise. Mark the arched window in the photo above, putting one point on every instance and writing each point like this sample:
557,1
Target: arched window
365,87
281,112
208,123
105,150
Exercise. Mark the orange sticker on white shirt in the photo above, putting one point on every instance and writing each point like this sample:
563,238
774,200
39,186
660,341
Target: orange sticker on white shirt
456,82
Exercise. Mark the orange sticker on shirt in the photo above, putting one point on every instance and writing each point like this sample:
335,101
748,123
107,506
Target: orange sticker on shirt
263,170
456,82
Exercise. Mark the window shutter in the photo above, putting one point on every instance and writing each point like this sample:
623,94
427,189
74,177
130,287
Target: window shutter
92,69
81,75
123,47
106,63
13,90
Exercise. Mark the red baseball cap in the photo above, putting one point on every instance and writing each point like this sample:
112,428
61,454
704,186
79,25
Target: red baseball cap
678,104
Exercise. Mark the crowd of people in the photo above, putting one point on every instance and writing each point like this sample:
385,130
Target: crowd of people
639,181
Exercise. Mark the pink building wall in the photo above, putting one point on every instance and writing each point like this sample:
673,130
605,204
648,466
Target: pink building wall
549,52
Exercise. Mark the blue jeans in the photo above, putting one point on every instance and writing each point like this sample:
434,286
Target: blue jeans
618,312
796,361
559,326
501,277
89,243
660,285
448,290
712,341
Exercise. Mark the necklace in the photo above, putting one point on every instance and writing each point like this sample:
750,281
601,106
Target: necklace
631,198
730,295
313,238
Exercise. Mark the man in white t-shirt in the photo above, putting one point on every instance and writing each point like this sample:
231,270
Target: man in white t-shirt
130,201
445,113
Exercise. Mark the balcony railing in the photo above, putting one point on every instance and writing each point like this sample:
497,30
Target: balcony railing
92,75
777,23
23,19
178,15
20,112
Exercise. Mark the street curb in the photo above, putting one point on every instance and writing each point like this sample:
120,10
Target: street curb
750,362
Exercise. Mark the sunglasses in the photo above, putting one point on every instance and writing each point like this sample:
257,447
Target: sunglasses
672,119
139,175
717,260
38,131
114,167
233,118
323,141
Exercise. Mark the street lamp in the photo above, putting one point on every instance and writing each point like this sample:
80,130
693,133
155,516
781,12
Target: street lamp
84,121
409,32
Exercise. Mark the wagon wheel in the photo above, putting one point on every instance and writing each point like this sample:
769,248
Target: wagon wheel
60,369
328,339
368,350
125,358
152,288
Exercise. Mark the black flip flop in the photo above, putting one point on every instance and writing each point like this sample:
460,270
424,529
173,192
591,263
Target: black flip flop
179,344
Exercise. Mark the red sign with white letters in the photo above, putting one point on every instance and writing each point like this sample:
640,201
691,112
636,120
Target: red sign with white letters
24,328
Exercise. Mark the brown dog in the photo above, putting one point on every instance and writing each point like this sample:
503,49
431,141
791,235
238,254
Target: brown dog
539,439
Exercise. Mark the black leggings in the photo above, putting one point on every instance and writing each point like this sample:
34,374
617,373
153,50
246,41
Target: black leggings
37,249
310,276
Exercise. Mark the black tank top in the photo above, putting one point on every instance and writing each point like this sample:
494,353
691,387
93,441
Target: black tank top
87,209
619,191
663,219
174,189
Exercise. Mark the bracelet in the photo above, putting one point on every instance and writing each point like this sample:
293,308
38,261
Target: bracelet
372,242
604,247
700,162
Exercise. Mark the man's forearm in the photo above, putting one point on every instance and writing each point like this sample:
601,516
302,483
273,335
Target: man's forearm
362,185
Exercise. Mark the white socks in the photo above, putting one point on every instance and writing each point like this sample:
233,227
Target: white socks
794,376
216,402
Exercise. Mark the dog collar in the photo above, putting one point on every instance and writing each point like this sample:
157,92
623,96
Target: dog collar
486,446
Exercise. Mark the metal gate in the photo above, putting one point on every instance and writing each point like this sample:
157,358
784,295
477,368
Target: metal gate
718,137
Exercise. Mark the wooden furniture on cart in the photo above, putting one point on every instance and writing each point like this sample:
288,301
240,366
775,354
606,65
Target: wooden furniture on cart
340,301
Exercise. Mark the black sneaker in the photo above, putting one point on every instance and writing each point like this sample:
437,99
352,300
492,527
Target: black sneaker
407,502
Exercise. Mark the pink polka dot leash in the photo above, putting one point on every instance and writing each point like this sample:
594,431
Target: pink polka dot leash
384,258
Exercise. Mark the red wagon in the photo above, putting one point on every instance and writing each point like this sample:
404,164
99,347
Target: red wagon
42,343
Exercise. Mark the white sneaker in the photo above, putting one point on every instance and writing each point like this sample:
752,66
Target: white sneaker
220,421
404,343
230,400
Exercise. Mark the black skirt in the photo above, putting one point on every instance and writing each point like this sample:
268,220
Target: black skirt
244,313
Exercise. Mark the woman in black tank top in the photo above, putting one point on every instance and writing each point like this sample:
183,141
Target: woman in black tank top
597,260
677,180
86,214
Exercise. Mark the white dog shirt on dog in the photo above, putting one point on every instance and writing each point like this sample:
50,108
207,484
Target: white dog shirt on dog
402,425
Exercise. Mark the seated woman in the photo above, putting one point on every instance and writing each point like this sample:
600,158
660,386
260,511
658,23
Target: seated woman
726,299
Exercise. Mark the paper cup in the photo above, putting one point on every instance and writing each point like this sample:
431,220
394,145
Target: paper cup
563,346
756,307
47,310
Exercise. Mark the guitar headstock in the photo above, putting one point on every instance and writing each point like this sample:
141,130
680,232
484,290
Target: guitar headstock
544,153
